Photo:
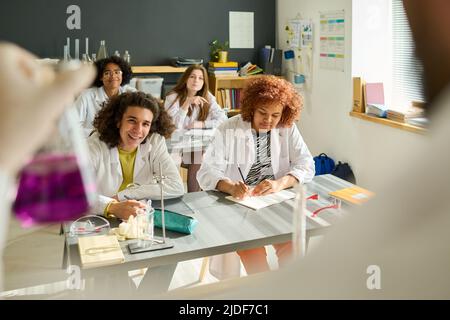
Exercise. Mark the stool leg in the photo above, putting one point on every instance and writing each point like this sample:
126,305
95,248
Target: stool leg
205,263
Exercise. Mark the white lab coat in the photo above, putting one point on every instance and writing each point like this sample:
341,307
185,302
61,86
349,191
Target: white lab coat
233,145
106,164
215,117
89,102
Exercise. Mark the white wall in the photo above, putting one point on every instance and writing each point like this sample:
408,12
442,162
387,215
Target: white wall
325,122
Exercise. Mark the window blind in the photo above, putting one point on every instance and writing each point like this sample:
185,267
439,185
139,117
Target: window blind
407,69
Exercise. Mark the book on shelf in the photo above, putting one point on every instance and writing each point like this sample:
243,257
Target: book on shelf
354,195
230,98
403,116
358,95
223,69
374,93
374,99
229,64
225,73
378,110
97,251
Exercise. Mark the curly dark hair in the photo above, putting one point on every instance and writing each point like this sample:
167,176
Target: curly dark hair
268,90
181,90
123,65
111,114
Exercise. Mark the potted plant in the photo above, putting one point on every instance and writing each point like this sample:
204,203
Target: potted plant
219,51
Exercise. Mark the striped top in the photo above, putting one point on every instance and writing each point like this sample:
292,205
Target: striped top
262,167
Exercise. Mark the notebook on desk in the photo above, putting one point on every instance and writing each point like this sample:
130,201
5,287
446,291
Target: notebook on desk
264,201
354,195
97,251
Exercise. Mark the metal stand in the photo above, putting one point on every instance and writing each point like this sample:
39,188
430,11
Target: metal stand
156,243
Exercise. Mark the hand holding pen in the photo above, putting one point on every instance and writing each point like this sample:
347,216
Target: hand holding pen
240,190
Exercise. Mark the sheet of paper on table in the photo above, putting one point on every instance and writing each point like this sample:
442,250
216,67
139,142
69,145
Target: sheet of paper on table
264,201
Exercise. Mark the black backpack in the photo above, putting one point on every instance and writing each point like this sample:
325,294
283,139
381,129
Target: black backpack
343,171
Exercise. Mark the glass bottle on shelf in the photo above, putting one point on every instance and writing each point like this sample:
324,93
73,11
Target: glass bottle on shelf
94,57
102,52
117,53
127,57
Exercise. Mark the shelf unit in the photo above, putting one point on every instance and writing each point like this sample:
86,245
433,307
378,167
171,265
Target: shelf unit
388,122
226,82
157,69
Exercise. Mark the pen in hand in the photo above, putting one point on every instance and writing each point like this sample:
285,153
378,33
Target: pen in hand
242,185
242,176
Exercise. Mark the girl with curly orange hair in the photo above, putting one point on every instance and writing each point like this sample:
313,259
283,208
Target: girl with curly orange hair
259,152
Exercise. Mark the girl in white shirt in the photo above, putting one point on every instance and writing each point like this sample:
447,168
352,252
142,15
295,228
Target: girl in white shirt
192,106
113,75
128,148
259,152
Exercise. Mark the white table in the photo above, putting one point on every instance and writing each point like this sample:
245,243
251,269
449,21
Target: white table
224,226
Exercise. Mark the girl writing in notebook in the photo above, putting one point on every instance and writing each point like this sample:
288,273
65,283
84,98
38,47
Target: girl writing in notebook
259,152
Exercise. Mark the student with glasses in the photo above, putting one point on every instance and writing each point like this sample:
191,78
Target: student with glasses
113,75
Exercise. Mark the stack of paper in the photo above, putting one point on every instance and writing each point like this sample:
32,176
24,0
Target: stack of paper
250,69
97,251
354,195
378,110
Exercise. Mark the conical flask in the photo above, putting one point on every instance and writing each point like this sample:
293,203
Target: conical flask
102,52
56,184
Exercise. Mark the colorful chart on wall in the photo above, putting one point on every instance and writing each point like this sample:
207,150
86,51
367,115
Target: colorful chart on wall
332,40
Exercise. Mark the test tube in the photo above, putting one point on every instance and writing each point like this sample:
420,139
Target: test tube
68,48
87,47
77,49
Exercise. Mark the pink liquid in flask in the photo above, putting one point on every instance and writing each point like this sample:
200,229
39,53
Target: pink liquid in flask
50,190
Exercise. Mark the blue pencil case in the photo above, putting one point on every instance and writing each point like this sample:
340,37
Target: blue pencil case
175,221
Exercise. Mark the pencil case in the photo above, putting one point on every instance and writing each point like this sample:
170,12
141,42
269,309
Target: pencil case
175,221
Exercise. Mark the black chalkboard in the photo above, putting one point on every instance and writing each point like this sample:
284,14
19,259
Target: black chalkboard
151,30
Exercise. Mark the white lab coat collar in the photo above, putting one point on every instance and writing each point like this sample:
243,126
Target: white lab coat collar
100,95
275,136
